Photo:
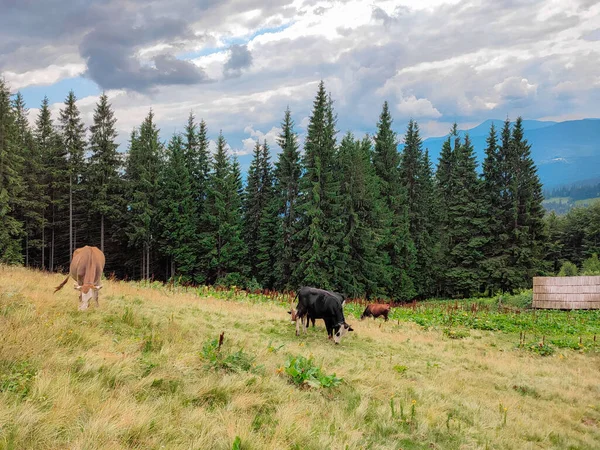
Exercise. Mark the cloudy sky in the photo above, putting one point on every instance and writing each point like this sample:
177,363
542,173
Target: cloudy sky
239,63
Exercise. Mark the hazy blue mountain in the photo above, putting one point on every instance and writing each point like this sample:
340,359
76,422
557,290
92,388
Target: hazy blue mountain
565,152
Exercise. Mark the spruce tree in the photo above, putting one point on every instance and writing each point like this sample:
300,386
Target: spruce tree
267,252
287,180
361,213
223,248
527,211
73,137
494,265
396,243
11,182
317,230
56,179
254,203
33,201
466,225
143,167
177,212
103,183
417,178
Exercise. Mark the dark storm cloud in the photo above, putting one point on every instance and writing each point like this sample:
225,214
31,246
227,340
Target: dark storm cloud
239,58
108,35
109,52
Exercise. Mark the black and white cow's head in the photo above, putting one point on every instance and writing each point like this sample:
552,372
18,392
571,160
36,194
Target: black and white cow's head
341,332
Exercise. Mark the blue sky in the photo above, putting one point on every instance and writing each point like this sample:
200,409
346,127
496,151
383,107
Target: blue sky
239,63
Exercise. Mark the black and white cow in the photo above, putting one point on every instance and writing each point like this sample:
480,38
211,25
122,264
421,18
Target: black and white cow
307,317
314,303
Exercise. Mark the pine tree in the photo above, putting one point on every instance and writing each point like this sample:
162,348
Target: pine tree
269,231
428,242
11,182
494,265
197,159
317,231
176,212
287,180
254,204
528,234
466,225
446,185
143,167
73,138
396,243
417,178
32,205
56,180
361,212
104,185
224,250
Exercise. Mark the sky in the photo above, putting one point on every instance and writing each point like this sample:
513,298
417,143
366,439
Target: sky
239,63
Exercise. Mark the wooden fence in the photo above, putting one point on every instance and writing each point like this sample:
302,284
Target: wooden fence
566,292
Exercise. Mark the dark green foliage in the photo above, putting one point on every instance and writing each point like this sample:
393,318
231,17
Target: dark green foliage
416,176
287,180
465,224
269,226
396,243
317,233
73,137
104,186
366,221
55,178
495,262
254,204
177,212
11,182
224,251
361,213
142,171
32,202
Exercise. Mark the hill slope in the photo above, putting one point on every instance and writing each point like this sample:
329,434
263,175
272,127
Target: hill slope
565,152
130,375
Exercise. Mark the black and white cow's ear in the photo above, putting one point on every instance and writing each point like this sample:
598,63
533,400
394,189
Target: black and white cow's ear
289,312
349,327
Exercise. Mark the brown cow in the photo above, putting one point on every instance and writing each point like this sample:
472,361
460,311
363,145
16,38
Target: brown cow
86,269
375,310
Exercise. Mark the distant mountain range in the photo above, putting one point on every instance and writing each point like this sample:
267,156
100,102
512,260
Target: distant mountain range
564,152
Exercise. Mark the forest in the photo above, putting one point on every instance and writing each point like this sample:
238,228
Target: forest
345,212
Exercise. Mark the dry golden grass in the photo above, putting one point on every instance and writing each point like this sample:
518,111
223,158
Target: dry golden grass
129,375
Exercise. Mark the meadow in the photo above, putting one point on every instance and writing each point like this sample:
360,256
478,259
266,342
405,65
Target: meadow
147,369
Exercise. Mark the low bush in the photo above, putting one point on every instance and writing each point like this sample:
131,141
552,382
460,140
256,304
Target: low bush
302,372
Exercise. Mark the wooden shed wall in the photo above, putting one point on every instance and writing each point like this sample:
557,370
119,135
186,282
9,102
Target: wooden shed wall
566,292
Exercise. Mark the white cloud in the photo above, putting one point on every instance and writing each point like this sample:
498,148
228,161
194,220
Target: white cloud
416,108
44,76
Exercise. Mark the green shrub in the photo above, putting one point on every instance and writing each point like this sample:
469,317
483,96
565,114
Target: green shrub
568,269
591,266
303,372
217,358
456,334
541,348
16,377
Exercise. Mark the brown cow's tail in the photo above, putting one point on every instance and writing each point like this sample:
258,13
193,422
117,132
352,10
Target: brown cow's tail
61,285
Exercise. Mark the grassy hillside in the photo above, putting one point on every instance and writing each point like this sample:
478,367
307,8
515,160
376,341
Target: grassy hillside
142,371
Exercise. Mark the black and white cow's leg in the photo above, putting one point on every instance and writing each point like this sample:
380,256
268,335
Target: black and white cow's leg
329,326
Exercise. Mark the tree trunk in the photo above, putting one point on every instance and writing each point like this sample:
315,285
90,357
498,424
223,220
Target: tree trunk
43,244
148,261
70,219
26,245
102,233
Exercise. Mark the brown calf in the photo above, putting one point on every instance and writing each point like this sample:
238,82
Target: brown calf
375,310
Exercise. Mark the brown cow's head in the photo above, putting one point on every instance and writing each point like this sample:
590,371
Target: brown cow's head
87,292
294,314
